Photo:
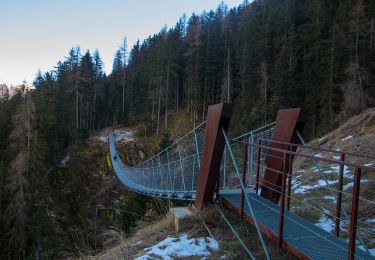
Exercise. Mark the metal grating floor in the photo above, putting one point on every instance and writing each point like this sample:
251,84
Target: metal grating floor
301,234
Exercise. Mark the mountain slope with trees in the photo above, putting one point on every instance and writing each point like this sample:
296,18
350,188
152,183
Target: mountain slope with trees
263,56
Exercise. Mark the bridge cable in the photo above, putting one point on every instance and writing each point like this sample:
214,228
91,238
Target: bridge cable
246,197
234,232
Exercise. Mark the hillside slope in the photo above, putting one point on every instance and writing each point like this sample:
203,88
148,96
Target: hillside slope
314,184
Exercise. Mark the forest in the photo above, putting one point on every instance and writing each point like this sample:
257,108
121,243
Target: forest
262,56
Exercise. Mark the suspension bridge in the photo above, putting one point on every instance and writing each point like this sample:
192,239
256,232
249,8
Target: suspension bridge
255,176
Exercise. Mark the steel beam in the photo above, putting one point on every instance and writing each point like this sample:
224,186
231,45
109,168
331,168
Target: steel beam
218,117
287,122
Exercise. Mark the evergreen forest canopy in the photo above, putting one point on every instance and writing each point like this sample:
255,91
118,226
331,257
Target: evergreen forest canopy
262,56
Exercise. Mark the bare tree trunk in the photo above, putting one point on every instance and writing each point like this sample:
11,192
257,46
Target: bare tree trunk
94,110
317,12
228,78
159,96
331,76
243,76
124,47
371,33
356,38
205,82
153,105
177,96
81,110
77,97
166,93
264,89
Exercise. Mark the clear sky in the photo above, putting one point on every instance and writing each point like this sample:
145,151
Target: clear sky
36,34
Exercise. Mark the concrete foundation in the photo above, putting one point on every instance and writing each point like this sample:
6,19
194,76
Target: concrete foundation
176,216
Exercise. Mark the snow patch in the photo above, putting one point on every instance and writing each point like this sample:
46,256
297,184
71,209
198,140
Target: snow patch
122,136
350,184
325,224
372,251
327,197
320,184
182,246
336,157
346,171
368,164
349,137
65,160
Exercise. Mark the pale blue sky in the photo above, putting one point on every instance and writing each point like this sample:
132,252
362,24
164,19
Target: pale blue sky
35,34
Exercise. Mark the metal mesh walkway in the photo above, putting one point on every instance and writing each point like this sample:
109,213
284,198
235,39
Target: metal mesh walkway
299,233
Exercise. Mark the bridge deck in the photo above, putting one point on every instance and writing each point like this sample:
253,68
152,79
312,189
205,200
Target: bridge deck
300,236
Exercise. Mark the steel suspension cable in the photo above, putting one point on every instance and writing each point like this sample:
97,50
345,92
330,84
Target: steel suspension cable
235,233
246,197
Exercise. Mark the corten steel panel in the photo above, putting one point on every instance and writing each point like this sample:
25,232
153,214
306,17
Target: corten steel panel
218,117
287,122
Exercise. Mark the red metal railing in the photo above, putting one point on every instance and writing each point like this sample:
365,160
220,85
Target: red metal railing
286,181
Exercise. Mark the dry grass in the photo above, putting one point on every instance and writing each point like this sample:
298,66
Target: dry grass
148,235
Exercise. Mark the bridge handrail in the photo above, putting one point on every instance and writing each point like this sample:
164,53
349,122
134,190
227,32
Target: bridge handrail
174,143
339,162
317,148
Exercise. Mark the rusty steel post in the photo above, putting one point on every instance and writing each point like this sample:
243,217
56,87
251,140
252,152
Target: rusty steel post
354,212
290,171
282,202
244,178
218,118
339,196
287,122
258,166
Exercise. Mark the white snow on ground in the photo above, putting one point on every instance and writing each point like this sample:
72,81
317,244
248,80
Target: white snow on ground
372,251
122,136
327,197
350,185
182,246
319,155
368,164
371,220
336,157
349,137
65,160
346,171
321,183
325,224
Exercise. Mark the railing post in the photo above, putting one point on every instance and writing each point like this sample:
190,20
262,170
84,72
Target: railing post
192,174
339,196
258,166
225,166
181,166
169,171
196,147
282,202
250,162
354,212
244,178
290,172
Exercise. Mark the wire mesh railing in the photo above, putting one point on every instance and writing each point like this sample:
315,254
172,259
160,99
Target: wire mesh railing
306,194
228,177
172,172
